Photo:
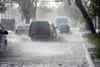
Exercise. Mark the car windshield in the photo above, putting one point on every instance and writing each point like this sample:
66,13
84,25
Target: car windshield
23,26
61,20
49,33
26,26
20,27
40,25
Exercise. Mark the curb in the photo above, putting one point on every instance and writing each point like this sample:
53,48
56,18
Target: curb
88,57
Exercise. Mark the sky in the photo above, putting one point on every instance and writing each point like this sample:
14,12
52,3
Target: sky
51,3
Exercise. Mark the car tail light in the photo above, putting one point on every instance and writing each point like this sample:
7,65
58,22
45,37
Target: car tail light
49,30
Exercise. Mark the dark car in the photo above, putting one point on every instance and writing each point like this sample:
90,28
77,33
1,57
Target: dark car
3,39
64,28
61,20
22,29
42,30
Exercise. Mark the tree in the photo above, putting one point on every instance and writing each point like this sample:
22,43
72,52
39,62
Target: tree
43,11
28,8
89,8
96,4
85,15
2,7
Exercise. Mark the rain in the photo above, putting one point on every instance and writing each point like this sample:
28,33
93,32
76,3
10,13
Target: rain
44,33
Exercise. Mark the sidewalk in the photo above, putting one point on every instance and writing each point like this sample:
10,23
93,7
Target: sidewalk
83,47
88,57
91,45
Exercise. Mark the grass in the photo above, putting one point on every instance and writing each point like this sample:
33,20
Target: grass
95,40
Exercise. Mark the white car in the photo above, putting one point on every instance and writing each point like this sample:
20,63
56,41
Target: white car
64,28
22,29
61,20
63,24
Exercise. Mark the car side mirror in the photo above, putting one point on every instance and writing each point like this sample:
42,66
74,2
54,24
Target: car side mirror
5,32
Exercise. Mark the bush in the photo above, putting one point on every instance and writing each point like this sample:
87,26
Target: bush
95,40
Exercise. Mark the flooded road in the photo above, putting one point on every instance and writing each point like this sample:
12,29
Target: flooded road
23,52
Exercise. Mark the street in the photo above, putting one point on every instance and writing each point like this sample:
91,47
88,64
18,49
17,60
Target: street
23,52
49,33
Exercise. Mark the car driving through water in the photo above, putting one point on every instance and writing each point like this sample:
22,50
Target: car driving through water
22,29
42,30
63,24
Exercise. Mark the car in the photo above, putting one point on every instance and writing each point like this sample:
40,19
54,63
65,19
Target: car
42,30
22,29
61,20
63,24
64,28
3,39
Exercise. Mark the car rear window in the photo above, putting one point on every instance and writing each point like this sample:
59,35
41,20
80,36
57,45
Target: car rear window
26,27
19,27
61,20
40,25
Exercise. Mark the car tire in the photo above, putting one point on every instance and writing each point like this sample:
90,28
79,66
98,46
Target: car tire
3,43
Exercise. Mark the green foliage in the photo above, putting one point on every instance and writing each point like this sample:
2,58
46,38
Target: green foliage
35,0
95,40
69,2
96,4
89,9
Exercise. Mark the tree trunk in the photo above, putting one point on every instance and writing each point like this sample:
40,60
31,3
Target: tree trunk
34,14
85,15
28,10
99,25
35,9
27,20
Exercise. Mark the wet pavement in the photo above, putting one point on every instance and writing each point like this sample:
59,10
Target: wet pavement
23,52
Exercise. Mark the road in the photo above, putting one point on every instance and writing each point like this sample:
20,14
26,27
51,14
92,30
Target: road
23,52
